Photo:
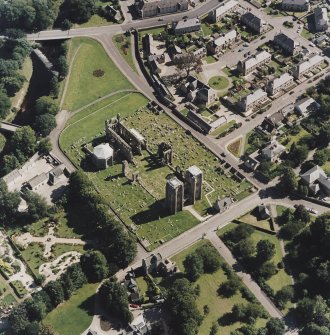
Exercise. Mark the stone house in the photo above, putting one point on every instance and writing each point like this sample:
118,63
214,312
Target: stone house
153,8
287,44
281,83
321,20
196,90
251,101
186,26
222,10
253,22
307,66
295,5
316,180
222,42
249,64
273,151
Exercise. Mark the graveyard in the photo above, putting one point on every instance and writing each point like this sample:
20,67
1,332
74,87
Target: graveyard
140,205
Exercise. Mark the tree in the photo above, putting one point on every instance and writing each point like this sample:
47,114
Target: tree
5,105
54,87
244,248
55,292
275,326
324,135
187,62
36,309
23,143
211,259
46,105
62,66
9,202
284,295
265,250
47,330
114,298
94,265
302,214
230,287
240,232
297,154
45,146
214,329
18,320
288,181
193,265
80,10
45,123
37,205
267,270
181,305
321,156
9,163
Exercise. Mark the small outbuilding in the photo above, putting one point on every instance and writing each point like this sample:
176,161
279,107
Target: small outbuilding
103,156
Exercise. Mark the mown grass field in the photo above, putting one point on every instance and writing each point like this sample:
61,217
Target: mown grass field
218,306
123,44
74,315
84,87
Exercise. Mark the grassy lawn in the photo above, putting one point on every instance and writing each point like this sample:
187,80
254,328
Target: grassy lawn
38,228
7,300
153,31
219,82
210,59
60,249
281,278
33,256
223,128
74,315
288,139
235,147
209,284
90,123
280,209
252,220
206,29
84,87
123,44
306,34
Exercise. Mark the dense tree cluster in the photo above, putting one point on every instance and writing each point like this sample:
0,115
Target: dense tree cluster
115,300
9,203
21,146
94,265
27,316
37,207
116,243
203,260
256,257
28,15
181,305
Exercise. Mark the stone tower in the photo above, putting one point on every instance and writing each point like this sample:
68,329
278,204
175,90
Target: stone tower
193,184
174,195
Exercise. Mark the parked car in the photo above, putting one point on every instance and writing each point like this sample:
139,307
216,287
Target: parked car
241,49
312,210
262,37
245,44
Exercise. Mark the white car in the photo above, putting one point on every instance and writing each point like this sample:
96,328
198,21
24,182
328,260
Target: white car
312,210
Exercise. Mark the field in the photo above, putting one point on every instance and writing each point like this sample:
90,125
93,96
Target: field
219,82
74,315
280,279
84,86
209,284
